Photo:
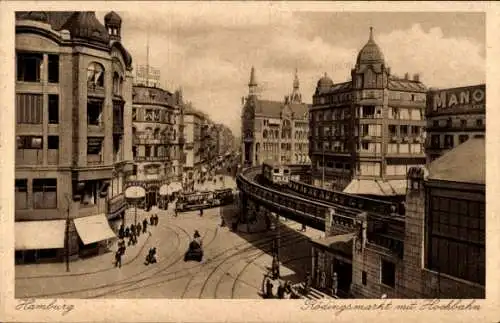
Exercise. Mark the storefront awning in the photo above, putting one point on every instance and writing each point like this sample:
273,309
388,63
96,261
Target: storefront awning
93,228
135,192
376,187
33,235
165,190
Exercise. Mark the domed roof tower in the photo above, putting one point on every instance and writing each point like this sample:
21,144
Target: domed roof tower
84,25
370,53
324,83
113,24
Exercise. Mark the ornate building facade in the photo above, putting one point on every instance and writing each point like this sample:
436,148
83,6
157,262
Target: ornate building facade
155,140
73,128
454,116
367,132
193,122
273,130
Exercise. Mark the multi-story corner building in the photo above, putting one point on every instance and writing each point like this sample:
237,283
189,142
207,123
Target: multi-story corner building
454,116
154,140
73,104
193,121
367,132
273,130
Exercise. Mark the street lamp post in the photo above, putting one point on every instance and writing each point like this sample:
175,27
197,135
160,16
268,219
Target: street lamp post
66,240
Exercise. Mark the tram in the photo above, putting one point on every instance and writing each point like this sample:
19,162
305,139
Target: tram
276,173
194,201
223,196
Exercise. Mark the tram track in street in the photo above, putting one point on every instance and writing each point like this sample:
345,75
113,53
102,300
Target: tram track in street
245,258
160,279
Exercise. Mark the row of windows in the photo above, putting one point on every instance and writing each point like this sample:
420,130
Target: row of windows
449,141
153,115
36,142
44,194
371,147
285,134
478,122
30,68
368,112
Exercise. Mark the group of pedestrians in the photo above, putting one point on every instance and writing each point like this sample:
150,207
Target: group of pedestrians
284,290
132,232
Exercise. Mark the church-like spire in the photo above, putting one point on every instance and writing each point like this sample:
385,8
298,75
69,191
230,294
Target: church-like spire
296,83
295,97
252,85
371,34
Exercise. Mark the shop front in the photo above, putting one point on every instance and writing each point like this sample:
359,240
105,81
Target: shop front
332,264
39,241
95,234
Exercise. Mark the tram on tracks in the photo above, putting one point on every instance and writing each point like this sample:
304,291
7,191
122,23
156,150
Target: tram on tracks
204,200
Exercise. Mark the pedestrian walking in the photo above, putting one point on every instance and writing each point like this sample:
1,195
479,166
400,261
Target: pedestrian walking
118,259
132,229
223,222
127,232
201,212
269,288
334,284
151,219
307,283
138,229
144,225
156,219
121,231
304,228
281,291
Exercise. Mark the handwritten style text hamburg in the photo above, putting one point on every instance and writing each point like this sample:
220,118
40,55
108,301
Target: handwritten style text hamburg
387,305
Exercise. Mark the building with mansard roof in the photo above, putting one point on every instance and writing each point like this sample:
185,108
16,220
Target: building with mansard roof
274,130
367,132
73,131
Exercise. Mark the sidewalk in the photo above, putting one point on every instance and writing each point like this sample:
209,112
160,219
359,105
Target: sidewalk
93,264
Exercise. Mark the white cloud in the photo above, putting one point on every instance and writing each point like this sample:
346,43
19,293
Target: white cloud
441,61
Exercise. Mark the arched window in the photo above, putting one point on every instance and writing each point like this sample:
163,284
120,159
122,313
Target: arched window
117,84
95,74
264,134
149,131
157,133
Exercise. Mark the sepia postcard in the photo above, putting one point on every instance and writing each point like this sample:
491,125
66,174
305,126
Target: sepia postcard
249,161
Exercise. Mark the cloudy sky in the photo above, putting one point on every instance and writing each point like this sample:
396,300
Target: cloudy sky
209,51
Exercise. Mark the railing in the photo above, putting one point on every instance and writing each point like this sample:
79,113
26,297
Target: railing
151,158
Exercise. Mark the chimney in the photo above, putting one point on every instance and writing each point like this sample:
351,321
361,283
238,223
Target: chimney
407,76
416,77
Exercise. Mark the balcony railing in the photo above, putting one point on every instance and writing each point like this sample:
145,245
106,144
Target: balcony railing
151,158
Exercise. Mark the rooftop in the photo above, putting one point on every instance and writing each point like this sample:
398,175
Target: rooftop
465,163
